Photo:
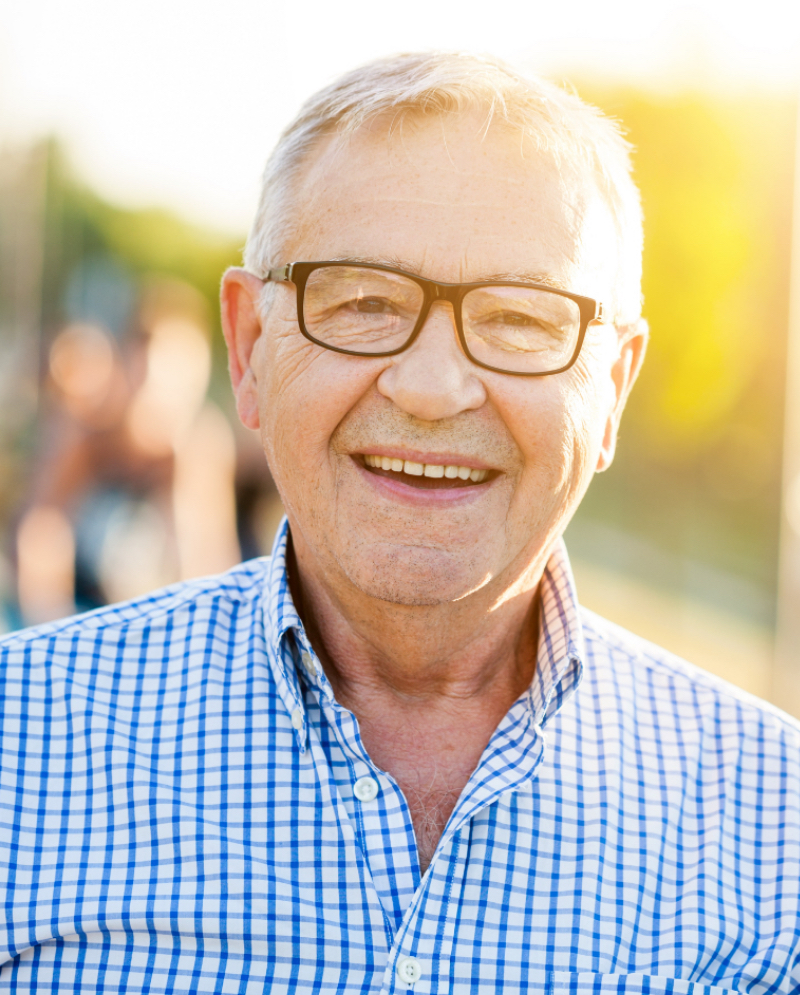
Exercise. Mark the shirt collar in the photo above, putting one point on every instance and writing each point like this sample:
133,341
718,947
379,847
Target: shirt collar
559,664
279,610
281,619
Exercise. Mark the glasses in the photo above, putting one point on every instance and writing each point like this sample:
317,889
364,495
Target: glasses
525,329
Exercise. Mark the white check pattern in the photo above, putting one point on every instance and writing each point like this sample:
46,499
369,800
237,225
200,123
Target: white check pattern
177,815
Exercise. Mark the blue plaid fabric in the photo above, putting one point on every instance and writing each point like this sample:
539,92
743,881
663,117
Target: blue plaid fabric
177,814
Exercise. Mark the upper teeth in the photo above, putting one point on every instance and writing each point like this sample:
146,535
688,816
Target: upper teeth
426,469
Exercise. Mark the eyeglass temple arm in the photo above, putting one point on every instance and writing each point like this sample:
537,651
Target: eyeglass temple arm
283,274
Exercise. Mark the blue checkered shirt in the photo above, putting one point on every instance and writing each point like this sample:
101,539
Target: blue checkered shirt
177,814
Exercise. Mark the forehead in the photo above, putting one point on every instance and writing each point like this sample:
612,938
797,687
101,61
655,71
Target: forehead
453,200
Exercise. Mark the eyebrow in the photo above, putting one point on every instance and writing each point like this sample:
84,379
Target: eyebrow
517,276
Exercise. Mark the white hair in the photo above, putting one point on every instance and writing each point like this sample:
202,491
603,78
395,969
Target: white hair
574,136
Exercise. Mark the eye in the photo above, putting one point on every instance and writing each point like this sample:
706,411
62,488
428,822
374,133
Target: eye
372,305
516,318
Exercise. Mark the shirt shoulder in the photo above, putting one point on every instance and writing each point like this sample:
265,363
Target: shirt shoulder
675,692
166,622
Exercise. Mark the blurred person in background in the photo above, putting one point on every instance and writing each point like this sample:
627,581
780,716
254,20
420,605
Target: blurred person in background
134,488
398,755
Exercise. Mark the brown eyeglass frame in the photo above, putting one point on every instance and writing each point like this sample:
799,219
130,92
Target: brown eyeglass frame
299,272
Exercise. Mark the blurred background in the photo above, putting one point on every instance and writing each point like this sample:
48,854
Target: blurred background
131,142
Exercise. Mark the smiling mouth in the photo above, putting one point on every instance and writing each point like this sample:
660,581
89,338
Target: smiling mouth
426,476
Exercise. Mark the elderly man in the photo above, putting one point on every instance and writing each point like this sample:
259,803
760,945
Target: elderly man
397,755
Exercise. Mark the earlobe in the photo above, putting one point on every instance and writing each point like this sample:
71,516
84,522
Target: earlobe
241,325
609,447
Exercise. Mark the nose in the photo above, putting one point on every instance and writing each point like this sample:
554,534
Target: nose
433,379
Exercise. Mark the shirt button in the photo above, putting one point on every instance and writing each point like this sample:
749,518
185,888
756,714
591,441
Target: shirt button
366,789
308,663
409,970
297,719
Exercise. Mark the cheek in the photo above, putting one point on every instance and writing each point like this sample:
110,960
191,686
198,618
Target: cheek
304,393
558,426
591,401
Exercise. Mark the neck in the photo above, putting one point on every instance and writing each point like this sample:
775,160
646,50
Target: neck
480,648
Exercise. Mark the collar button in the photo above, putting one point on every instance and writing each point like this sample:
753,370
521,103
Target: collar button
366,789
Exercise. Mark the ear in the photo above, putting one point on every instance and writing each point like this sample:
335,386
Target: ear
241,325
632,347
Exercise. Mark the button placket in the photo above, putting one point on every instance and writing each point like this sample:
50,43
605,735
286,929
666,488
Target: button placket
378,817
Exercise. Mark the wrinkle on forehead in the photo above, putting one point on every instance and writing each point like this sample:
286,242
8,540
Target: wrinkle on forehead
335,152
496,141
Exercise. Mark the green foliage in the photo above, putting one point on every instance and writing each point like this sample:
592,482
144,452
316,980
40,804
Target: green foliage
80,225
699,463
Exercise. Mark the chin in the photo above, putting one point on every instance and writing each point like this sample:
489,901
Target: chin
416,576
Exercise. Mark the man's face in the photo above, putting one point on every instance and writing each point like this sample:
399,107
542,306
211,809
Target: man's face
440,200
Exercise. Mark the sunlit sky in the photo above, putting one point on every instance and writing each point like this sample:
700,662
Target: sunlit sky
178,102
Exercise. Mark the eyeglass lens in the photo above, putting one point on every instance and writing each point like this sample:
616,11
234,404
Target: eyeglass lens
368,311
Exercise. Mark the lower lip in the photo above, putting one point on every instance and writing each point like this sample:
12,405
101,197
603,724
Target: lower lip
396,490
